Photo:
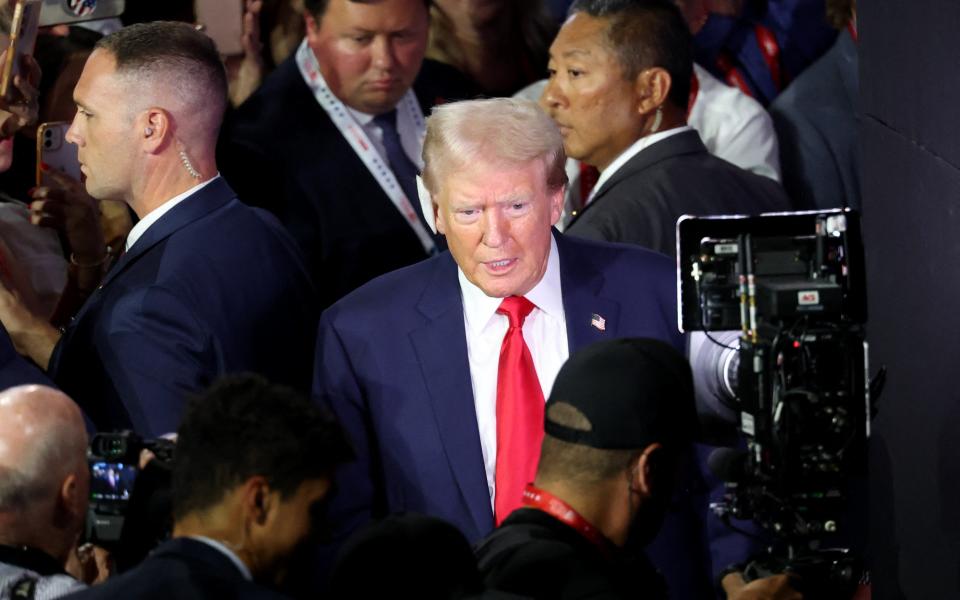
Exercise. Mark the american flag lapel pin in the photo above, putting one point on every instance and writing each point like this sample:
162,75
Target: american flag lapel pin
599,322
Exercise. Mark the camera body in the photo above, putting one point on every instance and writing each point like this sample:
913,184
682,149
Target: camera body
792,285
114,460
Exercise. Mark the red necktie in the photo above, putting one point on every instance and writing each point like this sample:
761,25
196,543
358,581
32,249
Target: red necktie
520,408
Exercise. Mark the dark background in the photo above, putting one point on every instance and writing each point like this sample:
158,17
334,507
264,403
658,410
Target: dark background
910,137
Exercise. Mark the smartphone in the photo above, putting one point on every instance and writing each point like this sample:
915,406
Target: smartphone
60,12
222,20
54,150
23,36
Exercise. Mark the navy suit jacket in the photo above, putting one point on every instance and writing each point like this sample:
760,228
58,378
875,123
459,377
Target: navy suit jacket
213,287
181,568
392,364
817,120
281,151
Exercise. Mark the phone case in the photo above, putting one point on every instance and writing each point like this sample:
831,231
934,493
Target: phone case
54,150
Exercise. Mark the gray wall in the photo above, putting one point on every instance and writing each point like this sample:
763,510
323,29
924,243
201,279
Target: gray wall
910,136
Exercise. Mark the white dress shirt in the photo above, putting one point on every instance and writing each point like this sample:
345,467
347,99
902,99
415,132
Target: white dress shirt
544,331
154,215
410,138
244,570
734,126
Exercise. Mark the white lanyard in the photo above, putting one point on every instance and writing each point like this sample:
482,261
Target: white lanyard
360,142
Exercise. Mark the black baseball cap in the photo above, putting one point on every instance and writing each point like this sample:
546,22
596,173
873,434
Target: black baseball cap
634,392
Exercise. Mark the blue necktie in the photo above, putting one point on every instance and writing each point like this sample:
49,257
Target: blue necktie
402,167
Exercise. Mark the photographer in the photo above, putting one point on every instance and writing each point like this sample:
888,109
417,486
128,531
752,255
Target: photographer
617,421
44,484
252,466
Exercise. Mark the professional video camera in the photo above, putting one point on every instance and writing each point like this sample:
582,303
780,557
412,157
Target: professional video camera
793,286
114,465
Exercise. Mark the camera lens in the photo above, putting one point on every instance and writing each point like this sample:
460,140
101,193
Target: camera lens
47,144
48,133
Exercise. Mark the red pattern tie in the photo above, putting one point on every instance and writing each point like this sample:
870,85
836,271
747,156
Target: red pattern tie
520,407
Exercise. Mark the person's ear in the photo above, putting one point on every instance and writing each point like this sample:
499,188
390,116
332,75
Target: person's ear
556,199
645,474
155,127
312,27
258,500
652,88
71,501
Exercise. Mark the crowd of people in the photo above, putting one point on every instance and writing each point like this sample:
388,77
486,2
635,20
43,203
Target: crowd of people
401,278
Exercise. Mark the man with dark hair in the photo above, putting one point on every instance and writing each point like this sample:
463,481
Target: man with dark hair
207,285
619,91
252,465
620,415
331,141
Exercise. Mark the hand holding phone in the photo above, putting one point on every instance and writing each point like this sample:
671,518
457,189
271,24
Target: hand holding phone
19,72
60,200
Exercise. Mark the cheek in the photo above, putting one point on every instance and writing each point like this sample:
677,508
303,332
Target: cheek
346,64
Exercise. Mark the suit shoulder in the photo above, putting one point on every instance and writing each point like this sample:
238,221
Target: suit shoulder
438,83
278,102
616,257
387,295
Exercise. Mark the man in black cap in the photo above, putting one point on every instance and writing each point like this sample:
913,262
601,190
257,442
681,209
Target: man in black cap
619,418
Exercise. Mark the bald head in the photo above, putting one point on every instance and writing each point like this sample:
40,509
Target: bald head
42,441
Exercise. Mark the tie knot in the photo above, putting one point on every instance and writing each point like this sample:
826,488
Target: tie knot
387,120
516,308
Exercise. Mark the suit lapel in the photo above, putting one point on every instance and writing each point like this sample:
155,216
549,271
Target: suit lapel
441,348
590,315
686,142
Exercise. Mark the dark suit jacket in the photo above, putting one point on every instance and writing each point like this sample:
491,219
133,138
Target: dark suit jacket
816,119
392,364
281,150
642,201
184,569
213,287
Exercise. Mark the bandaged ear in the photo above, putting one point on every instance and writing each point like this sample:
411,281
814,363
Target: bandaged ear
426,204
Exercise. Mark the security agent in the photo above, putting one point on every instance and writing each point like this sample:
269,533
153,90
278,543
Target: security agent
618,419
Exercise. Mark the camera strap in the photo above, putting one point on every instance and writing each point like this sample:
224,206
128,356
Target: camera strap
361,143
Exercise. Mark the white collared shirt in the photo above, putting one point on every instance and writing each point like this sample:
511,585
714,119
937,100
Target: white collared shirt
544,331
406,129
154,215
244,570
632,151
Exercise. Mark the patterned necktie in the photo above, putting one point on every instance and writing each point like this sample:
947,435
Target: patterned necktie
401,165
520,407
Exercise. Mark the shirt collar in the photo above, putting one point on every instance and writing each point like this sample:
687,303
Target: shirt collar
633,150
363,119
217,545
479,309
154,215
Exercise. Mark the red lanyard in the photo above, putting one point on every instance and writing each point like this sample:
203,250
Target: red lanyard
771,53
852,28
534,497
